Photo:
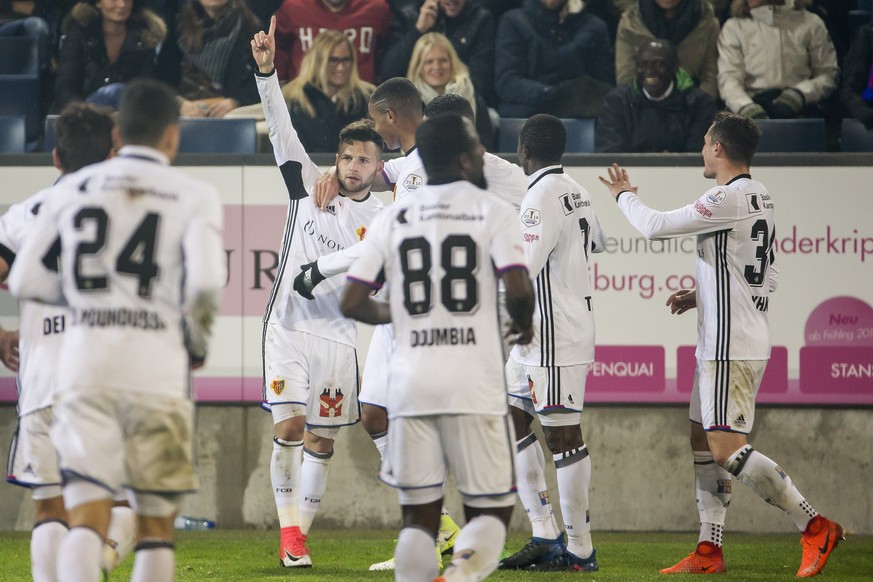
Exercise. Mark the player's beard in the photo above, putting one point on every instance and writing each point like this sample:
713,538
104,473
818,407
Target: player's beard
364,184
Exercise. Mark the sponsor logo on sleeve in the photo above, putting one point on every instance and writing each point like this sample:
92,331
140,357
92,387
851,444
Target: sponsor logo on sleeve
530,217
701,209
716,196
529,237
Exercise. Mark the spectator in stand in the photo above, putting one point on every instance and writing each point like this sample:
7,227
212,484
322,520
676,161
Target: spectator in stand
690,26
327,95
210,63
104,44
857,87
775,60
366,23
435,69
471,30
552,57
21,18
659,111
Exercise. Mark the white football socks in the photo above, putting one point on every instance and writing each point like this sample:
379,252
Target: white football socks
574,478
79,555
415,556
154,560
285,478
530,465
381,442
712,484
477,549
45,541
120,538
313,483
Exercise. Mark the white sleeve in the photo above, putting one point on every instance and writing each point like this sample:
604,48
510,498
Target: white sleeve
340,261
506,250
205,275
391,170
713,211
540,228
598,236
31,276
286,145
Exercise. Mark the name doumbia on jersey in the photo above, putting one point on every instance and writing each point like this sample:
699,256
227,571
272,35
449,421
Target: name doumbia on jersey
442,336
121,317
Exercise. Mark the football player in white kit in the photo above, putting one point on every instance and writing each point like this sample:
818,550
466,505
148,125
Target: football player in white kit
547,377
735,227
310,365
141,267
396,105
442,252
84,137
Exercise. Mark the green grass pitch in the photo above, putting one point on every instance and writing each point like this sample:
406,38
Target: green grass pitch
345,555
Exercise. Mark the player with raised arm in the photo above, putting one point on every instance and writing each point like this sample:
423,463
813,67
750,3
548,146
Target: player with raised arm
442,252
547,378
310,365
84,137
141,266
735,227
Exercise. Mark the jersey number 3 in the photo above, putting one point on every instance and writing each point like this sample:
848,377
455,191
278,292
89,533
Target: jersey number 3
459,290
136,259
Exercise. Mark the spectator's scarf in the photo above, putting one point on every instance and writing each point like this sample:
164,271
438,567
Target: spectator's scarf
686,19
459,86
216,46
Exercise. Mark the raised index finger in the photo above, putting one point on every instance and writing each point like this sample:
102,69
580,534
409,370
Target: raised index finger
272,26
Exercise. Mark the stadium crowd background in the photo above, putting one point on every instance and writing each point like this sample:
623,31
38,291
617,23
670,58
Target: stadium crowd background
512,59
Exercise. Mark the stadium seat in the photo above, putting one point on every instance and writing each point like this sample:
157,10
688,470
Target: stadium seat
19,95
19,55
12,134
855,137
214,136
580,134
792,135
49,137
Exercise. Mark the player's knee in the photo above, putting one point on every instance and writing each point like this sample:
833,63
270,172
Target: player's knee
521,421
290,429
560,439
374,419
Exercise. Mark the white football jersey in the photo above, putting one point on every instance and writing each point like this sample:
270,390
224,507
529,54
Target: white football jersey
735,229
140,243
309,232
40,326
559,232
442,251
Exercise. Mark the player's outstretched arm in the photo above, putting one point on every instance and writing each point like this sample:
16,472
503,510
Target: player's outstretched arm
682,301
520,305
9,348
357,304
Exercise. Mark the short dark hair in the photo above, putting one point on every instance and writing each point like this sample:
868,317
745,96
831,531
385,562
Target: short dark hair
737,134
660,44
545,137
399,95
450,103
441,139
84,136
362,130
148,107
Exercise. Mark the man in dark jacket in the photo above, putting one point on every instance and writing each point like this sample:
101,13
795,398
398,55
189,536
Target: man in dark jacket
552,57
660,111
471,29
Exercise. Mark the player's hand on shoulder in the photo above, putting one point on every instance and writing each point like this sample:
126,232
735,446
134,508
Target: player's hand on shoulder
682,301
326,189
308,278
9,348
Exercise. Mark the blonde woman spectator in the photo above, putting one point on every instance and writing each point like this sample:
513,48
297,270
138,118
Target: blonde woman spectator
327,95
775,60
435,69
689,24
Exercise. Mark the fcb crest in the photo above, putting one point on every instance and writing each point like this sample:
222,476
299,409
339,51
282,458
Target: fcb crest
331,403
361,232
277,386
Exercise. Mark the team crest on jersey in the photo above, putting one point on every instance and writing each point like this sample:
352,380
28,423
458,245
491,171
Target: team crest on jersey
413,182
531,217
331,401
277,386
716,197
361,231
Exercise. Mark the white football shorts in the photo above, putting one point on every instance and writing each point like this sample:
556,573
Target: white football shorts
556,391
137,441
33,461
478,449
321,374
723,396
374,383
